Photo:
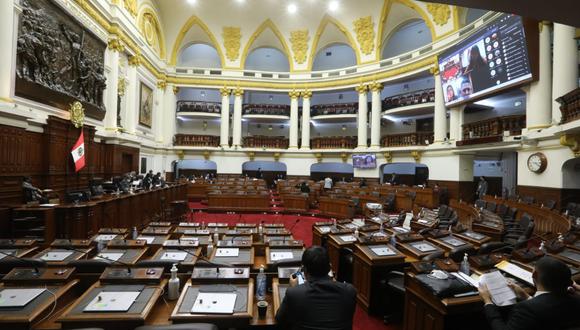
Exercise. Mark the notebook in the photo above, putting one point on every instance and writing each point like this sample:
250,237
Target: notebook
214,303
109,256
113,301
18,297
56,255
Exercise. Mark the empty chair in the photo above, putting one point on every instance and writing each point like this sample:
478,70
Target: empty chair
528,199
89,266
480,203
490,247
8,263
457,253
490,207
550,204
501,210
389,202
184,326
345,266
571,209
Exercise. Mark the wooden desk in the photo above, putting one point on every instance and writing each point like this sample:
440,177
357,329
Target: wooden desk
169,253
477,239
296,255
18,252
368,269
449,243
412,248
130,256
295,203
337,208
335,243
32,276
156,231
25,317
126,244
17,243
238,202
74,255
243,312
244,258
74,243
320,234
278,293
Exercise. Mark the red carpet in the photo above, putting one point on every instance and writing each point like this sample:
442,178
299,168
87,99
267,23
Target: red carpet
303,231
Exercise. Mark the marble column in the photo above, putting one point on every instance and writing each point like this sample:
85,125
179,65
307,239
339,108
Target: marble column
362,116
376,109
539,93
130,116
456,123
225,119
293,139
169,111
158,111
8,30
306,96
565,74
440,113
112,56
237,120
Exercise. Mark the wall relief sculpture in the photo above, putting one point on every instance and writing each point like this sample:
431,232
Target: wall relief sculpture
58,60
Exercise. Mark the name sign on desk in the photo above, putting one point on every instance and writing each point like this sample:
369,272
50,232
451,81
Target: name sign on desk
276,256
474,235
148,239
324,230
179,256
119,301
383,251
515,271
18,297
423,247
214,303
6,253
56,256
105,237
452,241
109,256
227,252
347,238
401,229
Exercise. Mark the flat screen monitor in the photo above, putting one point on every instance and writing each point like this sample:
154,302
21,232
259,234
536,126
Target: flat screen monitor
364,161
494,58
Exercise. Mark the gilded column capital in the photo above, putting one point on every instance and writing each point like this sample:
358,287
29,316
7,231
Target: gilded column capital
541,25
376,87
238,92
224,91
361,89
294,94
162,84
175,90
135,60
115,44
306,94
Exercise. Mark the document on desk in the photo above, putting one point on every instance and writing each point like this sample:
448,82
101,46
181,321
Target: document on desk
109,256
56,256
214,303
383,251
6,253
105,237
348,238
118,301
516,271
466,278
501,293
276,256
227,252
18,297
148,239
177,256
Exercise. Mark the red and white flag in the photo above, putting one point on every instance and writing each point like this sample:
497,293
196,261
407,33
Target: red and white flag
78,153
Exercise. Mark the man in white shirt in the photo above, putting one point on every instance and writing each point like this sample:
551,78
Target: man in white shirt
327,183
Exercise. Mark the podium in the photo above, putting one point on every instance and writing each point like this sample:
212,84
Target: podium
245,257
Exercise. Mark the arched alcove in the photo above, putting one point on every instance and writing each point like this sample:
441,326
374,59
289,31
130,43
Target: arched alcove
267,59
199,55
270,170
571,174
410,174
408,36
197,167
334,56
336,171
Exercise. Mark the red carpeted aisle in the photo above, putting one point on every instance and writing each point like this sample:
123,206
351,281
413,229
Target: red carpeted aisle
302,231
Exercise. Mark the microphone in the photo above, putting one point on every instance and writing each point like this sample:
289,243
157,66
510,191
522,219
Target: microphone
290,230
207,261
24,260
102,257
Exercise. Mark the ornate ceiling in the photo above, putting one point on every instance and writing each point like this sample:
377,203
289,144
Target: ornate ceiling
236,27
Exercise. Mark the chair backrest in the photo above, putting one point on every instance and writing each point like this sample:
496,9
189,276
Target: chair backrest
491,247
89,265
491,206
433,256
8,263
550,204
502,210
480,203
458,253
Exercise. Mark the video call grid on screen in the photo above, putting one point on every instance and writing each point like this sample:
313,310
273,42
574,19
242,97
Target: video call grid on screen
502,61
364,161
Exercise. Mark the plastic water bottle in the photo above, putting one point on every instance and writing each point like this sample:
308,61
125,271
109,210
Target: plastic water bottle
216,237
261,284
393,240
543,247
261,232
209,247
134,233
464,268
356,233
100,245
173,292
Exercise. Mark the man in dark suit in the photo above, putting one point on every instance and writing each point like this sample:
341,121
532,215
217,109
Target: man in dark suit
320,302
552,307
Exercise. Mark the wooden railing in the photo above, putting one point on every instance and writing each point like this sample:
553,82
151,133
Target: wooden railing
401,100
334,109
196,106
570,106
266,109
196,140
259,141
334,142
494,127
407,139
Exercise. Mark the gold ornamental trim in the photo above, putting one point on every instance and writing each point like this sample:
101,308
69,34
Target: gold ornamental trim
440,13
232,36
294,94
306,94
299,41
365,34
77,114
224,91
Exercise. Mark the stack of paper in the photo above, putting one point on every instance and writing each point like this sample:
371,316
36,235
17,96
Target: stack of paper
516,271
214,303
501,293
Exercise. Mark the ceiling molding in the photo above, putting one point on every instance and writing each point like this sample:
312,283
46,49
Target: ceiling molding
267,24
147,9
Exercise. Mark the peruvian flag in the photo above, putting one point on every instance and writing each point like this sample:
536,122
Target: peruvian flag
78,153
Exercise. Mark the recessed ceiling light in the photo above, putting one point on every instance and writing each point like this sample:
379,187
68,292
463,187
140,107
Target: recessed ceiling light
292,8
192,2
240,1
333,5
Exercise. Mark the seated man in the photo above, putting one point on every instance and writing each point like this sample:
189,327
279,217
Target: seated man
552,307
319,303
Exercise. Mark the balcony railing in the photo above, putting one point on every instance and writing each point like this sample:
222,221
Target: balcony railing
196,140
492,130
334,109
402,100
197,106
266,109
408,139
269,142
570,106
334,142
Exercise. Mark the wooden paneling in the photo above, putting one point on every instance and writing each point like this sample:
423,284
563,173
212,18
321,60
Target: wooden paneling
543,194
460,190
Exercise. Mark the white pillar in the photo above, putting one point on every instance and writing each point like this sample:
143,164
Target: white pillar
7,39
376,109
362,116
225,120
131,114
440,115
456,123
565,75
169,119
293,143
237,121
306,95
112,89
539,103
158,113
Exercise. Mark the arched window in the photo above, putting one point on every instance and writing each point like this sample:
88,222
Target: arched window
199,56
407,37
267,59
335,56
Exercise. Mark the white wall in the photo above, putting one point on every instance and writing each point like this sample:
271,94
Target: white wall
199,56
268,166
197,164
553,176
342,56
267,59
